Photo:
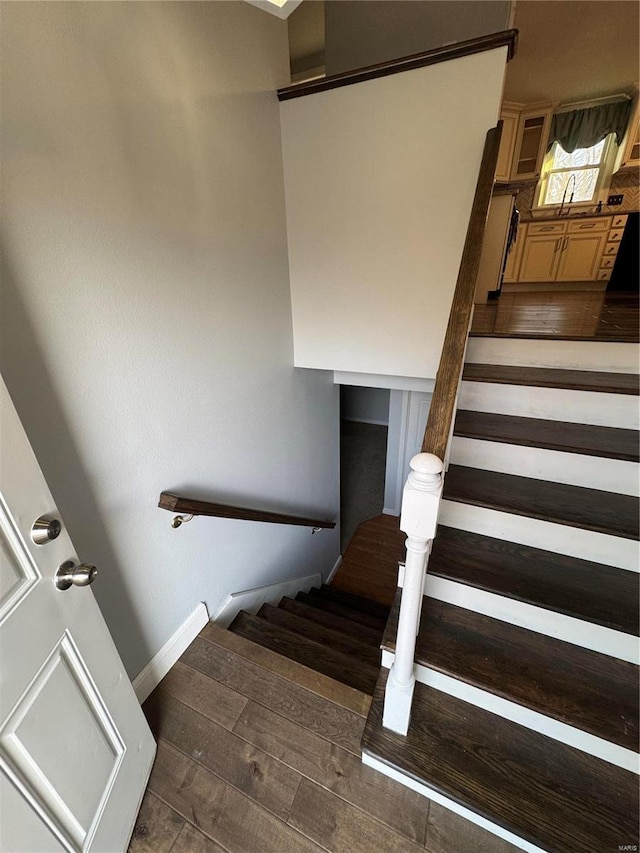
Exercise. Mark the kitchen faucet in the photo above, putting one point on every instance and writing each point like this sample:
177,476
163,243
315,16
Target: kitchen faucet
564,194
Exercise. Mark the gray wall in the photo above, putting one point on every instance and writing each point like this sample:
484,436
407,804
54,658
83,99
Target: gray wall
146,335
369,405
364,32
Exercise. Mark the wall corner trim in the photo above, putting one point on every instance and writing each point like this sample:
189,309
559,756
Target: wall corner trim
152,674
334,569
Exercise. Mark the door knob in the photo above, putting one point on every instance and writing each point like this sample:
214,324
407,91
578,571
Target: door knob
71,575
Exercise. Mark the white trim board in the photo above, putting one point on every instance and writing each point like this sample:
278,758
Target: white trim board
603,356
381,380
253,599
365,421
334,569
553,404
556,466
453,806
152,674
561,538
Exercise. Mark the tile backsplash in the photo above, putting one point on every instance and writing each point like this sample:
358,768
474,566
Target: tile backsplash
625,182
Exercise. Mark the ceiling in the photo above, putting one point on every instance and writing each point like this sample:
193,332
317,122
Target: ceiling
569,50
573,50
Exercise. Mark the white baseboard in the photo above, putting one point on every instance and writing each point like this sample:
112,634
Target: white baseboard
333,571
365,421
152,674
252,600
391,510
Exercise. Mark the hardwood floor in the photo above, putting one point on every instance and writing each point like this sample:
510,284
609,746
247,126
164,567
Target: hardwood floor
369,567
251,761
579,315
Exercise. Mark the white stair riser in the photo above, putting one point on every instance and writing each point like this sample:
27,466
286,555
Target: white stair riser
578,632
584,544
574,469
600,356
554,404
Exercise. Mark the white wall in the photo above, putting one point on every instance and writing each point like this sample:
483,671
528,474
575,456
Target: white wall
146,315
379,182
365,32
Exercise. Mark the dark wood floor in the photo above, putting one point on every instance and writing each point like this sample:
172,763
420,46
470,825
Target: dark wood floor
582,315
369,567
258,754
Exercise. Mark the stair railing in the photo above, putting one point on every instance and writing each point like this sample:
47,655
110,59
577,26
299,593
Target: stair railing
423,490
192,507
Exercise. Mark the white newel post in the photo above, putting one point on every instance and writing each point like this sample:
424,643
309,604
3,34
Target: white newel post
420,503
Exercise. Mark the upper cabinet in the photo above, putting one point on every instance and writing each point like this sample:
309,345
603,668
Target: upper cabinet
524,141
631,143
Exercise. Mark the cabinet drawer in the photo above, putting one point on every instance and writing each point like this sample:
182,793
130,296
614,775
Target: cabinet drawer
611,248
615,235
618,221
547,227
577,227
607,263
604,275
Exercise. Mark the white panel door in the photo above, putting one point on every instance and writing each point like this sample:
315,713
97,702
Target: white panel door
75,749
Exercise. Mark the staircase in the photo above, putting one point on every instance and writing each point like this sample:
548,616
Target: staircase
332,632
525,717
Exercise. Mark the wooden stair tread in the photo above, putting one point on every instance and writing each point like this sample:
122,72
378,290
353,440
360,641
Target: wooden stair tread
554,796
590,509
548,377
334,606
590,591
609,442
336,665
357,602
327,637
370,636
579,687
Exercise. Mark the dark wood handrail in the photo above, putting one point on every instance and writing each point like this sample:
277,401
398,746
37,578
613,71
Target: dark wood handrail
443,402
191,506
508,38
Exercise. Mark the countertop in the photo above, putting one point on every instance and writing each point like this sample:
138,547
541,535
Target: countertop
527,217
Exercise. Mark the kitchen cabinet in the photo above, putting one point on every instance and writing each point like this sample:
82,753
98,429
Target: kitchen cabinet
567,250
579,256
507,144
631,155
540,258
531,143
525,132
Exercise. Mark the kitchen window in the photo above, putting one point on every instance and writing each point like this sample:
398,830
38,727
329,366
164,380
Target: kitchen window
576,178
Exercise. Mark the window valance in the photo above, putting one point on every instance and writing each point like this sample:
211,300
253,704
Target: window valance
584,128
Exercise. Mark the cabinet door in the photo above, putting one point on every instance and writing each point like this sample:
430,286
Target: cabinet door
533,132
580,257
631,156
507,145
540,258
513,258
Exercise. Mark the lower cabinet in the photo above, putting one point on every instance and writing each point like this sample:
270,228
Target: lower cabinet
574,250
540,257
579,257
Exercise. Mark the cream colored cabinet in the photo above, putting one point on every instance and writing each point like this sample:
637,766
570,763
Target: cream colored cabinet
531,143
512,267
507,144
540,257
568,250
580,255
631,156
